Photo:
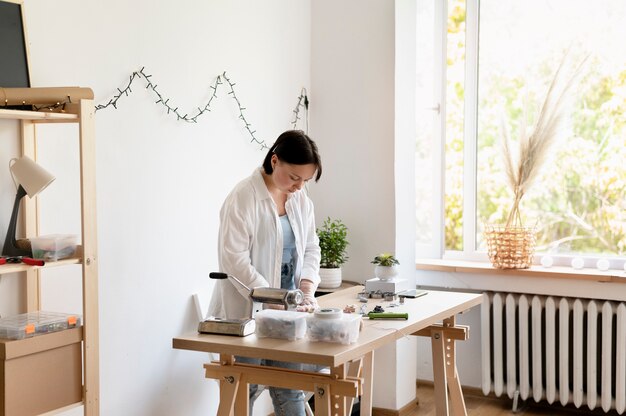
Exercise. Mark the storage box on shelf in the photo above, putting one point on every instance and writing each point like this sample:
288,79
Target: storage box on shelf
53,247
40,373
31,324
54,371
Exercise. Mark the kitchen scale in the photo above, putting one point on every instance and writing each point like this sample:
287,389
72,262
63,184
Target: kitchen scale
393,285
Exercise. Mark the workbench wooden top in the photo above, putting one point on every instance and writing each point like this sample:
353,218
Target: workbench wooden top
423,311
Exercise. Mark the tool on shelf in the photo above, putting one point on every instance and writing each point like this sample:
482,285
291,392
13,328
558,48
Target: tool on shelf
21,259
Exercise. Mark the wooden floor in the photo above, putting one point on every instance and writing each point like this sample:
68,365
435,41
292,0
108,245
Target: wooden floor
479,405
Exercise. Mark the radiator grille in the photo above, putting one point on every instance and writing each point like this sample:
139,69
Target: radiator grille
558,349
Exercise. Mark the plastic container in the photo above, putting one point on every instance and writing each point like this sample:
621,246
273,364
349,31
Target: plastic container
31,324
53,247
272,323
343,329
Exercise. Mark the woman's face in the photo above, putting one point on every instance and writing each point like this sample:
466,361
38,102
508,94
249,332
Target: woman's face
289,178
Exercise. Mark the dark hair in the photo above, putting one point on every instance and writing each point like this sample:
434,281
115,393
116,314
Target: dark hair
296,148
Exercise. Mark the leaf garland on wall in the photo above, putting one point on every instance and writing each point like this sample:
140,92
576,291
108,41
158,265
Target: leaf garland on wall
303,103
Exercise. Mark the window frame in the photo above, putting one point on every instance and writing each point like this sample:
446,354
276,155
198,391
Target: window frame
470,131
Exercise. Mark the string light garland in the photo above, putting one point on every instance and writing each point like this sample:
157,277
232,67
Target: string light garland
48,107
241,116
303,102
52,107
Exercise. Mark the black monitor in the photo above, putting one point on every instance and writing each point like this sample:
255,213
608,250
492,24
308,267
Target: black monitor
13,48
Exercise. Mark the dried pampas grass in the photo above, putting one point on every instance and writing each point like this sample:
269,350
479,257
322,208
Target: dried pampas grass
534,147
512,246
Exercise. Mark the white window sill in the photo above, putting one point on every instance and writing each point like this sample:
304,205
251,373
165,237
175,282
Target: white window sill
556,272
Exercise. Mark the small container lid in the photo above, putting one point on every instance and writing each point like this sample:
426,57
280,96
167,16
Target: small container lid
328,313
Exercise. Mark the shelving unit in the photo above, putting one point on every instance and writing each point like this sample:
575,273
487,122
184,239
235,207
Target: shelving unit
72,355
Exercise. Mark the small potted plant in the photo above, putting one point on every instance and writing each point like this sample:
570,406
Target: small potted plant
333,236
385,266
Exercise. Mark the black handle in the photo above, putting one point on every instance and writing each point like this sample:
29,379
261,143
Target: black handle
218,275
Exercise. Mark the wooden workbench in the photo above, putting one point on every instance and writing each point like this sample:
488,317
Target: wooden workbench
351,366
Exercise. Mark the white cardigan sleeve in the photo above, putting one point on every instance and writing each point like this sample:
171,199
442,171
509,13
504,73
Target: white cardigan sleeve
235,240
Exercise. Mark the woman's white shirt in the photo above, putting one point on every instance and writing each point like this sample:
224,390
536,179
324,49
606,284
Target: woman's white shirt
250,244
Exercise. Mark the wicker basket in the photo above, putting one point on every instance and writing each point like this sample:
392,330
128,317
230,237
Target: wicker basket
510,247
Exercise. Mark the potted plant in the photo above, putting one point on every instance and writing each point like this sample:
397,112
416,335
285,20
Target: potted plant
333,244
385,266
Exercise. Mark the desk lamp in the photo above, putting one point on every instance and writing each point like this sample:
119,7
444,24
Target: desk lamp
30,179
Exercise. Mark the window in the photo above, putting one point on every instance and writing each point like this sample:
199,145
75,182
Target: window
494,61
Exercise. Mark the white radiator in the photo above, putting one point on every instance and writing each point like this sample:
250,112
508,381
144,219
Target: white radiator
562,350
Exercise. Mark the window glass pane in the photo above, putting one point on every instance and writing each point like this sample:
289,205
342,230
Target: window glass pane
577,201
455,95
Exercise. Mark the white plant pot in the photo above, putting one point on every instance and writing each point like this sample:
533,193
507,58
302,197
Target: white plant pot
330,278
385,272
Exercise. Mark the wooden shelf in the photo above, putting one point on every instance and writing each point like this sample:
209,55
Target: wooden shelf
557,272
21,267
38,116
72,369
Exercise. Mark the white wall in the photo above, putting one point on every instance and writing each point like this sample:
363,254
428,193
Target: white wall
160,183
353,119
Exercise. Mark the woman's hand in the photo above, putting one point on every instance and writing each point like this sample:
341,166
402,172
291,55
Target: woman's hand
308,290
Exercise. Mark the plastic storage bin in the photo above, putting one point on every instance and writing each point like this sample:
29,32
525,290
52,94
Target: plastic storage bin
31,324
272,323
342,328
53,247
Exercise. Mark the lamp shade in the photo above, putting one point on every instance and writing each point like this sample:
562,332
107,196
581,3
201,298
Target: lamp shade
30,175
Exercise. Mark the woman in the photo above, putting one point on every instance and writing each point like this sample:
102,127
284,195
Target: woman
267,238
